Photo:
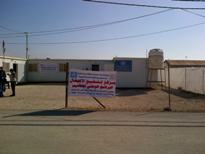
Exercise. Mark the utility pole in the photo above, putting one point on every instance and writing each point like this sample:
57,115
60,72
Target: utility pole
4,50
3,47
26,34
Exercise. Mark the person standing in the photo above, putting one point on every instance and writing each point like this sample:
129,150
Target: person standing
2,81
12,76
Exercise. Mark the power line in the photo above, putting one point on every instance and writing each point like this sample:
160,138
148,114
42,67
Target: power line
190,0
143,5
103,24
11,34
197,14
80,28
117,38
8,29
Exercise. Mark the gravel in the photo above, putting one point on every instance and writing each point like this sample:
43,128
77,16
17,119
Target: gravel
52,96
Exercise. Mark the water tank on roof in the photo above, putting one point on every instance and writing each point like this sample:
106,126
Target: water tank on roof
156,58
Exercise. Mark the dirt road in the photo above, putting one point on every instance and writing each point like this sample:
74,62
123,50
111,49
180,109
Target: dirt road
46,96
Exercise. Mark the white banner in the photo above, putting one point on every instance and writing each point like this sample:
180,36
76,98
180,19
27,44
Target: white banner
48,67
92,83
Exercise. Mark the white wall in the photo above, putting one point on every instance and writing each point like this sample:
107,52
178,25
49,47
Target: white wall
188,79
136,78
195,80
104,65
177,78
20,66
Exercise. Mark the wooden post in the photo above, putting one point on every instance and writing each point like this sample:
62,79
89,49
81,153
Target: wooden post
66,86
99,102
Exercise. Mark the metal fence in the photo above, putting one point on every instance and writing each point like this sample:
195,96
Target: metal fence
190,79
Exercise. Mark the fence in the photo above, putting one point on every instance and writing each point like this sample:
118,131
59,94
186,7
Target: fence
190,79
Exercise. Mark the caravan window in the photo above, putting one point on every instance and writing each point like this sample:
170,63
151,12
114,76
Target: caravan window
33,67
62,67
95,67
6,66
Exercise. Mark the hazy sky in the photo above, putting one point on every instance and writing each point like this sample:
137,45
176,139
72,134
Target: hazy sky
45,15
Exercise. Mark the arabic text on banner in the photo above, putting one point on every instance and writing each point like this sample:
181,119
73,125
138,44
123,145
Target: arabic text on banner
92,83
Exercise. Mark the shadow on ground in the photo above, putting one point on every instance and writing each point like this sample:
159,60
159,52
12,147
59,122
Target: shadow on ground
185,94
132,92
58,112
43,83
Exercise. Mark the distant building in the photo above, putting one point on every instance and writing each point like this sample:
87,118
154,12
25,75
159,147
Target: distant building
131,72
18,64
188,75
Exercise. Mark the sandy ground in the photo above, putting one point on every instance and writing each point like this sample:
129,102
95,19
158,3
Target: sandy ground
46,96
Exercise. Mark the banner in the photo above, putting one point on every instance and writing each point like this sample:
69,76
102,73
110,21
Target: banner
48,67
92,83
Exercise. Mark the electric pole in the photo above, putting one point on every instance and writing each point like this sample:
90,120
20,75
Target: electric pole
4,50
26,34
3,47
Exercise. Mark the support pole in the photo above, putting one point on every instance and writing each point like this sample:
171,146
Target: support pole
185,78
99,102
26,34
203,81
169,108
165,77
66,85
4,50
161,78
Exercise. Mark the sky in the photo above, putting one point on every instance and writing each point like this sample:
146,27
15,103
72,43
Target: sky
19,16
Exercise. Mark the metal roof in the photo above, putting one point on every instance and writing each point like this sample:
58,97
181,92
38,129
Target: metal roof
69,60
186,63
12,58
